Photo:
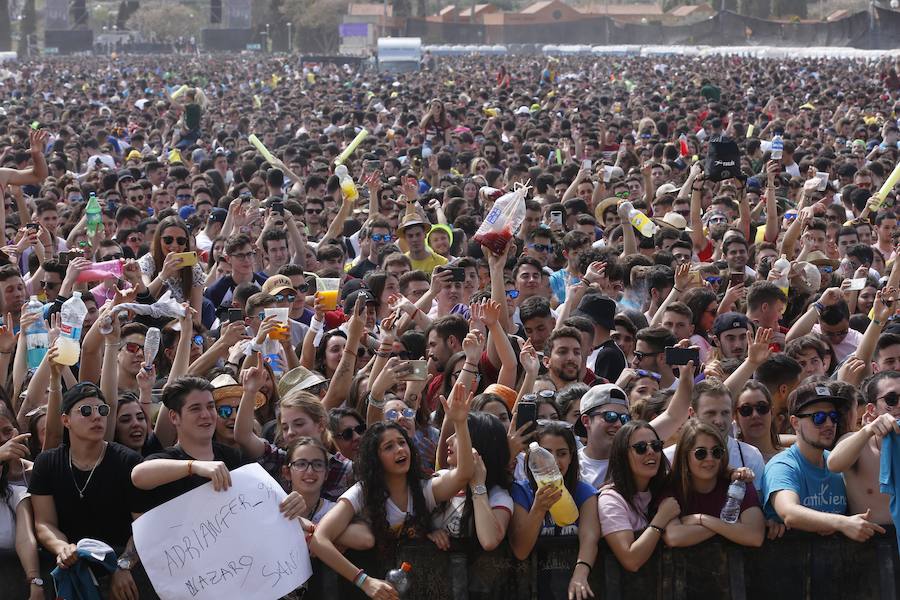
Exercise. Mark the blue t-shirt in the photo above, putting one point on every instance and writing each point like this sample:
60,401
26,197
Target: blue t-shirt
558,282
889,476
817,487
523,495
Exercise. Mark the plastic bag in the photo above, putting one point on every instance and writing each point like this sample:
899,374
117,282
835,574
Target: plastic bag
503,221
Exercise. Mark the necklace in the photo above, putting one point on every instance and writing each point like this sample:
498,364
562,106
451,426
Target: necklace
315,509
91,474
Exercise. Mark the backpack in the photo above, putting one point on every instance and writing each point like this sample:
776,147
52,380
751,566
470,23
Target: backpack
723,159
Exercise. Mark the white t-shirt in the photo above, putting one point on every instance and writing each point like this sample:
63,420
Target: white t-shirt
324,506
593,471
740,454
396,516
8,516
451,518
846,347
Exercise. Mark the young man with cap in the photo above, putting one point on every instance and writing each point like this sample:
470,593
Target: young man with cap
83,489
797,488
413,230
730,334
604,409
858,454
211,229
607,360
282,289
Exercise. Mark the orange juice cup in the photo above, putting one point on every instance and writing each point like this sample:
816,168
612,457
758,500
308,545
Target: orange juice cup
283,332
327,289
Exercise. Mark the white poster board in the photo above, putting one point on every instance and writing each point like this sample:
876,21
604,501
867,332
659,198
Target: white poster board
224,545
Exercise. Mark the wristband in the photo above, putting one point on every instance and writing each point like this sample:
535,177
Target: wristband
874,321
316,325
190,467
581,562
658,530
370,401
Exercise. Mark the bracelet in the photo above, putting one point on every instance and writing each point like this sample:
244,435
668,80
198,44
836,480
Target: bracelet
190,467
383,354
473,372
353,354
658,530
360,578
875,321
676,289
581,562
2,352
370,401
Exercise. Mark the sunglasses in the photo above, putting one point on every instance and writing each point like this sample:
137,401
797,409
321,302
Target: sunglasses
198,340
512,294
826,269
168,239
314,211
891,398
819,417
115,256
87,410
282,297
541,247
642,355
717,221
641,447
611,416
347,434
382,237
49,285
761,408
394,414
134,240
652,375
225,411
302,288
182,196
133,347
713,280
301,464
624,194
717,452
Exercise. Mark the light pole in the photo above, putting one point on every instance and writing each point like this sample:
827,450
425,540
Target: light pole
290,39
268,39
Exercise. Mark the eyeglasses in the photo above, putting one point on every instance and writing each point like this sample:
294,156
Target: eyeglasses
87,410
168,239
891,398
642,355
819,417
225,411
513,294
717,452
761,408
301,464
717,221
611,416
836,334
652,375
50,285
133,347
394,414
347,434
641,447
382,237
541,247
243,255
282,297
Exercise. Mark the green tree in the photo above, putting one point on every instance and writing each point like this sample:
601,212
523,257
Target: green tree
166,22
316,23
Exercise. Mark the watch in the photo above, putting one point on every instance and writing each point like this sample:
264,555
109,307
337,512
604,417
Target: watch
479,490
36,581
124,563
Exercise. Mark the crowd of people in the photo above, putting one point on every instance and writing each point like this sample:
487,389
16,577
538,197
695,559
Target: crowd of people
389,370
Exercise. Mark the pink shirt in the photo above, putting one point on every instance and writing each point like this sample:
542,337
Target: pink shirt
617,515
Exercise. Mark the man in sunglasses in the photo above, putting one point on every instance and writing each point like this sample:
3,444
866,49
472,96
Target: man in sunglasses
858,455
378,235
83,489
829,317
282,289
797,488
604,409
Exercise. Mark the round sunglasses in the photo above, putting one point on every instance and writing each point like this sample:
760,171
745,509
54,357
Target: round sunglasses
86,410
761,408
701,453
641,447
346,434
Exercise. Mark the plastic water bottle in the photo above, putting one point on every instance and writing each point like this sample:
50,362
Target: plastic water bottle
783,266
348,186
732,509
36,338
399,578
272,355
640,221
777,147
546,473
71,319
151,346
92,210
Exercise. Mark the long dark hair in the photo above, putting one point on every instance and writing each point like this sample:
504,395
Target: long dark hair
570,477
369,473
158,257
680,479
697,300
619,472
5,489
489,439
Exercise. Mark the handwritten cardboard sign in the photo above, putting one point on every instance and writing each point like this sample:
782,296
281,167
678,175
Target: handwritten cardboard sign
224,545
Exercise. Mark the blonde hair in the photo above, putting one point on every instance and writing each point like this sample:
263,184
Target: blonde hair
312,406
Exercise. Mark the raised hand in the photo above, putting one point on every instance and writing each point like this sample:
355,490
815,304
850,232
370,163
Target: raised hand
215,471
758,350
473,346
253,379
457,407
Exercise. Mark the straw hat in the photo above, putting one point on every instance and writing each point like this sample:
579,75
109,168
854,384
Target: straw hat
225,387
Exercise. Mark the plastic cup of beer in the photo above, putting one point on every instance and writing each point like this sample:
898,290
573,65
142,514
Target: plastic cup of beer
283,331
327,289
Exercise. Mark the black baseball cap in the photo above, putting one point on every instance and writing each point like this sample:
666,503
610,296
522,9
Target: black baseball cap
77,393
730,320
811,393
598,308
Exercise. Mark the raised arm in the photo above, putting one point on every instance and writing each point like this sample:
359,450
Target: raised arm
109,374
804,324
772,226
629,237
343,374
758,352
456,408
670,421
682,280
35,174
252,380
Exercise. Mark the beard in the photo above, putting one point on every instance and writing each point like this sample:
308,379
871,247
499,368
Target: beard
815,443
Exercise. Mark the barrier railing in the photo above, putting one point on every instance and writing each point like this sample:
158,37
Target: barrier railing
798,566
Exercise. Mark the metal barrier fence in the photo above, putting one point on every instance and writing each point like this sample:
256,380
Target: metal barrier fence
798,566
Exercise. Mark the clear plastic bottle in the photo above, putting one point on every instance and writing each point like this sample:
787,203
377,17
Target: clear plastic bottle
732,509
92,210
399,578
783,266
151,346
71,319
640,221
36,338
777,147
348,186
272,355
546,473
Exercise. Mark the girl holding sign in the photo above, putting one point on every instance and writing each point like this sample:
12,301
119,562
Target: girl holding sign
392,492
